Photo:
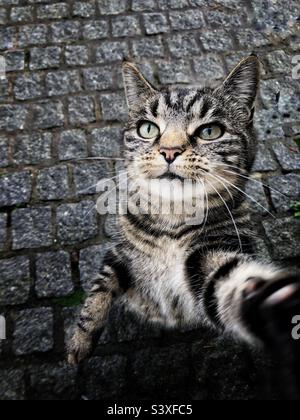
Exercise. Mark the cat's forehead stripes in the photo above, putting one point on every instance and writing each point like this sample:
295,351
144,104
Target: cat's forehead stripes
184,102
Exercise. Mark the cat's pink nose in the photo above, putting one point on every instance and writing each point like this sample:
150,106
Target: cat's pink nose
170,154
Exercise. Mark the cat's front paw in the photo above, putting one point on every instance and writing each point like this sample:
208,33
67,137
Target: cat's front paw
80,347
269,308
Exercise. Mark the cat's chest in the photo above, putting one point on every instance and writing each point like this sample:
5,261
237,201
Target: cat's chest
163,279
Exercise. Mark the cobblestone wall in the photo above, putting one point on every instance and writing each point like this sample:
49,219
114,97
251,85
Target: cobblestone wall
61,102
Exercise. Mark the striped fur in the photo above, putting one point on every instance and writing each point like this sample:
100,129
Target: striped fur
165,270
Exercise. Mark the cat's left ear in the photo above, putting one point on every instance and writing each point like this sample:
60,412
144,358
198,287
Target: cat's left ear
137,88
243,82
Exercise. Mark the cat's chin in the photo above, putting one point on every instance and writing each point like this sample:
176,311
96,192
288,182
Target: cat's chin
170,177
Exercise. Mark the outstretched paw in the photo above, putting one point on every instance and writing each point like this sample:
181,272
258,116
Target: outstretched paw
80,347
269,308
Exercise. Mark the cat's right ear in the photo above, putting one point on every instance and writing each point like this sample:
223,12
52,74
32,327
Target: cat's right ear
243,82
137,88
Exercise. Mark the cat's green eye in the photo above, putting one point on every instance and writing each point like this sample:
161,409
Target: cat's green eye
210,132
148,130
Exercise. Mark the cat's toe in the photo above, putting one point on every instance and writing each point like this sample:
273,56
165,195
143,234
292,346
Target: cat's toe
269,307
79,349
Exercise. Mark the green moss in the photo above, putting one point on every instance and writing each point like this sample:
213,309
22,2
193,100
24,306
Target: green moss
75,299
295,206
297,141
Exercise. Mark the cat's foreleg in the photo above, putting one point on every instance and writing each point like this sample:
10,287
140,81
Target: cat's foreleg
253,300
93,316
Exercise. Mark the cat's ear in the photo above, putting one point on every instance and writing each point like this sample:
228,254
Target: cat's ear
243,82
137,88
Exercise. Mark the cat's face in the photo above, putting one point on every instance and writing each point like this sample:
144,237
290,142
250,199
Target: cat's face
191,134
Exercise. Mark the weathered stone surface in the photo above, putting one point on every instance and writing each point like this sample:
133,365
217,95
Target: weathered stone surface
76,223
15,188
112,7
96,29
12,385
98,78
53,11
72,145
106,142
33,331
28,87
54,277
48,114
190,19
216,40
87,176
284,235
264,160
288,187
32,228
15,60
114,107
32,149
258,201
32,35
148,48
156,23
99,370
183,45
45,58
170,72
91,260
21,14
3,231
84,9
12,117
209,67
4,158
143,5
125,26
53,382
81,110
14,281
77,55
52,183
172,4
161,364
111,51
288,155
63,83
65,31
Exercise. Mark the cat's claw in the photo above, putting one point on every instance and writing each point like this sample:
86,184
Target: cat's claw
269,307
80,348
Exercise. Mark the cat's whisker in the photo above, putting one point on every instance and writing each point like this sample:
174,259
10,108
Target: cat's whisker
225,186
254,180
231,215
101,158
249,196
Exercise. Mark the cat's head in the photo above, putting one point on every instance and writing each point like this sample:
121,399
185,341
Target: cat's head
191,133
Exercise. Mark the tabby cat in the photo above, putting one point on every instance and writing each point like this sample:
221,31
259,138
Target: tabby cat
178,274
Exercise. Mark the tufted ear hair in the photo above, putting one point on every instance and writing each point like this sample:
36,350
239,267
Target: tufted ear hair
137,88
243,82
